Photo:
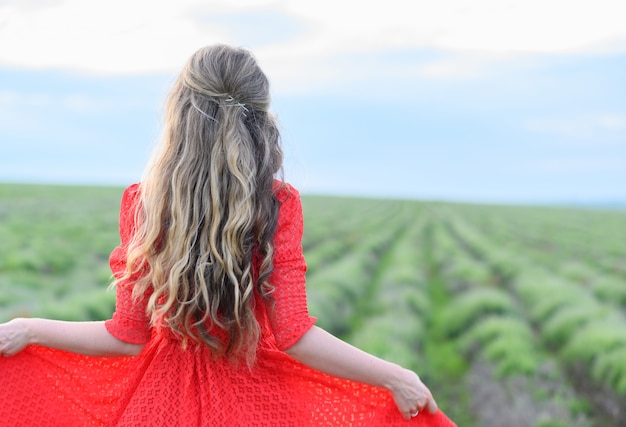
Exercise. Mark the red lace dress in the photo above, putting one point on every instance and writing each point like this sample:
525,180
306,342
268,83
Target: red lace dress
169,386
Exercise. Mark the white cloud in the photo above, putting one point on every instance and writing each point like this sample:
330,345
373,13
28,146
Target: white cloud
139,36
104,37
458,66
582,127
72,102
579,165
488,25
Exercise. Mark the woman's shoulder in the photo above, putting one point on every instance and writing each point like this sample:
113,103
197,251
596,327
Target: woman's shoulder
284,192
130,196
134,187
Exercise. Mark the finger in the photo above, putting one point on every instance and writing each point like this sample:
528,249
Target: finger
432,406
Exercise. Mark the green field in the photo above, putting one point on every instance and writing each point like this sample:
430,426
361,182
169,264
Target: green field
513,315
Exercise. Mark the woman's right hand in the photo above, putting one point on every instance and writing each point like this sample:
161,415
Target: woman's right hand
14,336
410,394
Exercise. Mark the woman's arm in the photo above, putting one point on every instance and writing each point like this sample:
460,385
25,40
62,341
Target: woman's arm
322,351
88,338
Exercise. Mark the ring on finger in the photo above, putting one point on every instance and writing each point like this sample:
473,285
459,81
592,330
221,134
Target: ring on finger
414,414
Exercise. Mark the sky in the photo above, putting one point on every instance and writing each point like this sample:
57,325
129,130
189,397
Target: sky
484,101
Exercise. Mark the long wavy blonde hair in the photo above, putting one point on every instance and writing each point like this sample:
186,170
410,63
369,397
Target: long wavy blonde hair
208,213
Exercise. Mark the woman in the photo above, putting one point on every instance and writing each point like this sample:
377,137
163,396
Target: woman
210,293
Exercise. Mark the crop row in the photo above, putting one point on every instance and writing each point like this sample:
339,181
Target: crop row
586,334
553,236
507,366
56,243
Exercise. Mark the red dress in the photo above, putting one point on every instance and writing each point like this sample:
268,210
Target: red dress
168,386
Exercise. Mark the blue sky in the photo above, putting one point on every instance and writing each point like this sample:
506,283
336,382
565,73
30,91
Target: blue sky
494,102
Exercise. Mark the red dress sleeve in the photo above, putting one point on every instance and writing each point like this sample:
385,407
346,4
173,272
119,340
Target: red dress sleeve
289,315
129,322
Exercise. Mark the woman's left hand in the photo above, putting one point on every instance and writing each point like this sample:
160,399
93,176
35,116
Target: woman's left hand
14,336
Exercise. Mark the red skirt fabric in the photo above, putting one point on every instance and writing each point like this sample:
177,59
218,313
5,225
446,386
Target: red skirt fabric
168,386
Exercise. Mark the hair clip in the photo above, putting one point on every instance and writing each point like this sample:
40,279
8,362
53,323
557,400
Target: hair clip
202,112
237,104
